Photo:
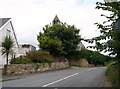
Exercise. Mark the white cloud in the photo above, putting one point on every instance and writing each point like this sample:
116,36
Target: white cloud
30,16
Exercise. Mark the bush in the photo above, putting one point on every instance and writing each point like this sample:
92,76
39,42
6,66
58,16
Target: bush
111,62
75,55
21,61
112,74
39,56
92,57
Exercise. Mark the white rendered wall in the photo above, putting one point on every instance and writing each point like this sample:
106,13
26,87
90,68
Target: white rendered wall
4,32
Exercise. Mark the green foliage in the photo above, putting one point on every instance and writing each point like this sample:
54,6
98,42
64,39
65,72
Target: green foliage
37,65
39,56
98,58
108,29
76,55
59,39
111,62
93,57
112,33
7,45
36,57
113,75
21,61
53,45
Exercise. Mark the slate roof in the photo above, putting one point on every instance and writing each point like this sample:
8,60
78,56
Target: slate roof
3,21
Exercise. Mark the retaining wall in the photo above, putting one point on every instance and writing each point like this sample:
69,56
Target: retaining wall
16,69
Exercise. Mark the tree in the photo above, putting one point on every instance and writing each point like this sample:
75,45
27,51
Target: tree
53,45
60,39
108,29
7,45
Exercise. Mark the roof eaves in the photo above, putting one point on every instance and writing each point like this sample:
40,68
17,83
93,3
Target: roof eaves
5,24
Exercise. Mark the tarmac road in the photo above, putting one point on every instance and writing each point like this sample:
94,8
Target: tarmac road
73,77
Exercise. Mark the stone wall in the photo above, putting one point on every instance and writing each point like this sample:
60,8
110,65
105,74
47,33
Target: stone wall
16,69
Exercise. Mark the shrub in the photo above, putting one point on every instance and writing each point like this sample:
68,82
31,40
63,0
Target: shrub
37,65
92,57
21,61
76,55
112,74
39,56
111,62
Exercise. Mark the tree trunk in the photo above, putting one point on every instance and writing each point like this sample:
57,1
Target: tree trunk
7,59
5,67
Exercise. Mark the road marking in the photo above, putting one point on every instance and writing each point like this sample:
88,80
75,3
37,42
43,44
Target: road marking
91,69
60,80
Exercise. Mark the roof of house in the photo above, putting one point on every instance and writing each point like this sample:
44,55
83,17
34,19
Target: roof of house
3,21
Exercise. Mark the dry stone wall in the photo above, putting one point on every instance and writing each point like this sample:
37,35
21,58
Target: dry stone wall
17,69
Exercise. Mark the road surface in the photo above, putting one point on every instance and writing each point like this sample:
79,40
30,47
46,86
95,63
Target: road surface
73,77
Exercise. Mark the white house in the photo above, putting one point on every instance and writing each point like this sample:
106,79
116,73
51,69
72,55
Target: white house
6,29
23,48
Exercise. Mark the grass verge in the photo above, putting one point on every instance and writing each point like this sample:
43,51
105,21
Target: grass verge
112,74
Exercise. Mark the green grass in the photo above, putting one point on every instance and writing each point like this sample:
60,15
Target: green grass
112,75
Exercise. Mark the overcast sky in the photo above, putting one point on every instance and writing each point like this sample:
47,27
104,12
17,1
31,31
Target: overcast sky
30,16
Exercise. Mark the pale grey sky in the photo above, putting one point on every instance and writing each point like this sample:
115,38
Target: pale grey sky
30,16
